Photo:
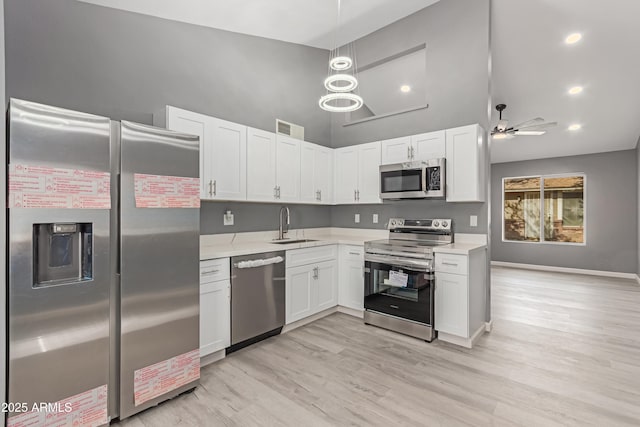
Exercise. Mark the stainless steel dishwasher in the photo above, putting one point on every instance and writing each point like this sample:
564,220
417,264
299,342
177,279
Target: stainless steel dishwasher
257,298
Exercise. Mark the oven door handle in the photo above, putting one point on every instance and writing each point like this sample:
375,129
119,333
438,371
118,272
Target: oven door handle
415,265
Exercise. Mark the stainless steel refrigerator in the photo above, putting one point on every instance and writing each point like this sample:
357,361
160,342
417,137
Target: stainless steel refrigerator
103,281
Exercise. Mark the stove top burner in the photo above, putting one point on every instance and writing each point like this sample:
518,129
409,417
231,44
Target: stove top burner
413,238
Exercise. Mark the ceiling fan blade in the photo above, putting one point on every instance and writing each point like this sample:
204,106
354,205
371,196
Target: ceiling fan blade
541,126
530,132
535,121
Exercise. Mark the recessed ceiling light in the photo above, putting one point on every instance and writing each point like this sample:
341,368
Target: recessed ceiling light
576,90
575,126
405,88
573,38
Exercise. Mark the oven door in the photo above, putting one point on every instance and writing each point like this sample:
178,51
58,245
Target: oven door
397,182
399,287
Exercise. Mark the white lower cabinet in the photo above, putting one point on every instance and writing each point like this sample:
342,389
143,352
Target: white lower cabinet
351,287
460,296
451,314
311,282
215,306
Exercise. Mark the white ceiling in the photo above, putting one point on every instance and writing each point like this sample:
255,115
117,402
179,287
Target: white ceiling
533,69
311,22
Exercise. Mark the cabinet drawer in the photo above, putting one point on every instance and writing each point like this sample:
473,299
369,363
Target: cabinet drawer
214,269
352,252
313,255
449,263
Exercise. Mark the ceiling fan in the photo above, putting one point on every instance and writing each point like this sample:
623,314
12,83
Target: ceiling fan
533,127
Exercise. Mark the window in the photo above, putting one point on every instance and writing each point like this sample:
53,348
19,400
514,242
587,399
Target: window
544,209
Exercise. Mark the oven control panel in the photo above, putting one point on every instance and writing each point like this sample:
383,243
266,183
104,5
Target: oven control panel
421,224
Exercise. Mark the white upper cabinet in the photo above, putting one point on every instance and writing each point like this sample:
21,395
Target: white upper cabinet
229,160
396,150
428,146
261,165
369,173
316,173
184,121
287,168
346,175
465,164
357,174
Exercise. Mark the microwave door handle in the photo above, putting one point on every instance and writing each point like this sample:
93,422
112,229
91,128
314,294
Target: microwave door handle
425,179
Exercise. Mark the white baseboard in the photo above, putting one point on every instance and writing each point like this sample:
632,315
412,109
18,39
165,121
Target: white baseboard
638,279
351,311
461,341
488,326
307,320
213,357
566,270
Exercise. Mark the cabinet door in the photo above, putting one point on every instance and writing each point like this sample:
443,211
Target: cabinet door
326,283
396,150
428,146
346,175
288,168
229,160
323,174
194,124
261,165
300,301
451,304
351,285
463,180
308,190
215,320
369,173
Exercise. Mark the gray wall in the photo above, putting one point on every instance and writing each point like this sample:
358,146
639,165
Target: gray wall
611,213
126,65
343,216
457,36
260,217
638,210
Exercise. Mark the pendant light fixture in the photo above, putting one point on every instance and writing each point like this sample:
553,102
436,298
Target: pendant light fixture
341,78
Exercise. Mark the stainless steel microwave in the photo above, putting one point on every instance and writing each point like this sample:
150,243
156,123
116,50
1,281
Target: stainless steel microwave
413,180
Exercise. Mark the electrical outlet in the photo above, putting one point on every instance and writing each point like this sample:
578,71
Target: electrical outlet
357,218
375,218
228,218
473,220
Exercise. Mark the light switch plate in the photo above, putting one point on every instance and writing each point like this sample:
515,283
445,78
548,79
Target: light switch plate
357,218
228,219
473,220
375,218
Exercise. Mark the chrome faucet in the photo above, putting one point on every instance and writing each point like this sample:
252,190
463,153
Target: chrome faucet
284,228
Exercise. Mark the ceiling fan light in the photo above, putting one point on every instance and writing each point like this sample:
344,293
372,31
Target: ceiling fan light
500,135
530,132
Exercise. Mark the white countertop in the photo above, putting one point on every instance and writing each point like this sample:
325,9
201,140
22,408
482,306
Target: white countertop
228,245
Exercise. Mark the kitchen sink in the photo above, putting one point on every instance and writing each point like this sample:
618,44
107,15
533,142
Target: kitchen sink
286,241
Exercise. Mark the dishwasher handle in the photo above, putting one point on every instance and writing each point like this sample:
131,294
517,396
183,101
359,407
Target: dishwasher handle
255,263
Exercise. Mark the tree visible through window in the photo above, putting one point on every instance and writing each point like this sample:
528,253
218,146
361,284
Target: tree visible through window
558,200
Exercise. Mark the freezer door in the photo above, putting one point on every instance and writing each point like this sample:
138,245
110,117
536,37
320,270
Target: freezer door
159,268
59,276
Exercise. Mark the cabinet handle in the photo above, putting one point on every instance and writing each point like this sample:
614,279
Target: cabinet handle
275,192
409,153
355,195
358,192
315,273
278,191
215,187
450,263
210,188
412,153
209,272
355,253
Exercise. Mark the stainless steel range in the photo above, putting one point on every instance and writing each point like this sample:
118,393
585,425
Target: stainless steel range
399,278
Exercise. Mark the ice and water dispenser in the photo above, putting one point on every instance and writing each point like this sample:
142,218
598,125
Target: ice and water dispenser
62,253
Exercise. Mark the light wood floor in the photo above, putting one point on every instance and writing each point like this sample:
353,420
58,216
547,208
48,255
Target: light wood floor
565,350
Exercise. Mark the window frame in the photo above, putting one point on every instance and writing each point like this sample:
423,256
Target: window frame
542,240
